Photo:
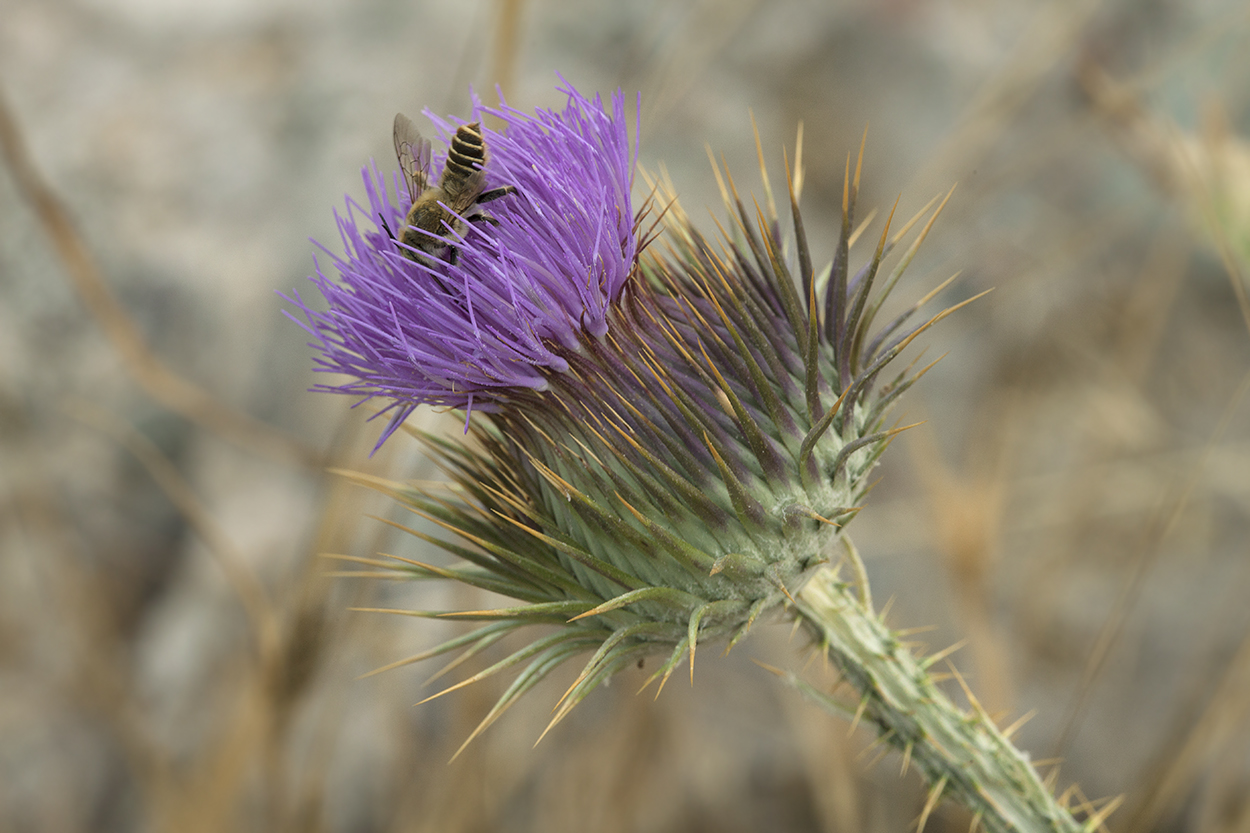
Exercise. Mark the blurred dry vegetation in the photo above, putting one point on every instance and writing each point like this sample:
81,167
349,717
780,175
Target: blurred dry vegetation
173,653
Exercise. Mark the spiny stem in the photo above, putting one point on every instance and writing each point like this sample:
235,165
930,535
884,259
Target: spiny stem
962,755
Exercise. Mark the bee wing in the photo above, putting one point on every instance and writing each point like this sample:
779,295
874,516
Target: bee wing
413,153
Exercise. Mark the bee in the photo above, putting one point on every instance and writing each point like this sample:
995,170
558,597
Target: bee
434,210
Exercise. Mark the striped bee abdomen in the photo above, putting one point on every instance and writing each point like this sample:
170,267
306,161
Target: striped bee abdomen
467,153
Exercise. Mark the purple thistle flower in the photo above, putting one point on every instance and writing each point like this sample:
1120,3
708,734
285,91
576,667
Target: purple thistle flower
667,484
524,290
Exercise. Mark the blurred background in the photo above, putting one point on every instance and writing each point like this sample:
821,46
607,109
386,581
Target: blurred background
176,655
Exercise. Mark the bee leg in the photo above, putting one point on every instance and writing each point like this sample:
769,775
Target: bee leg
496,193
386,226
483,218
453,252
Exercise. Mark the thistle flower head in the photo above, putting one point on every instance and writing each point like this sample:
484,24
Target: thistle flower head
523,289
696,435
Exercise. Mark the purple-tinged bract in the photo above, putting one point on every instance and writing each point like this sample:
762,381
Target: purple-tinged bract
525,289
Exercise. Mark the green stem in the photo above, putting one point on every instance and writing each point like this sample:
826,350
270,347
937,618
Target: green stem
962,751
